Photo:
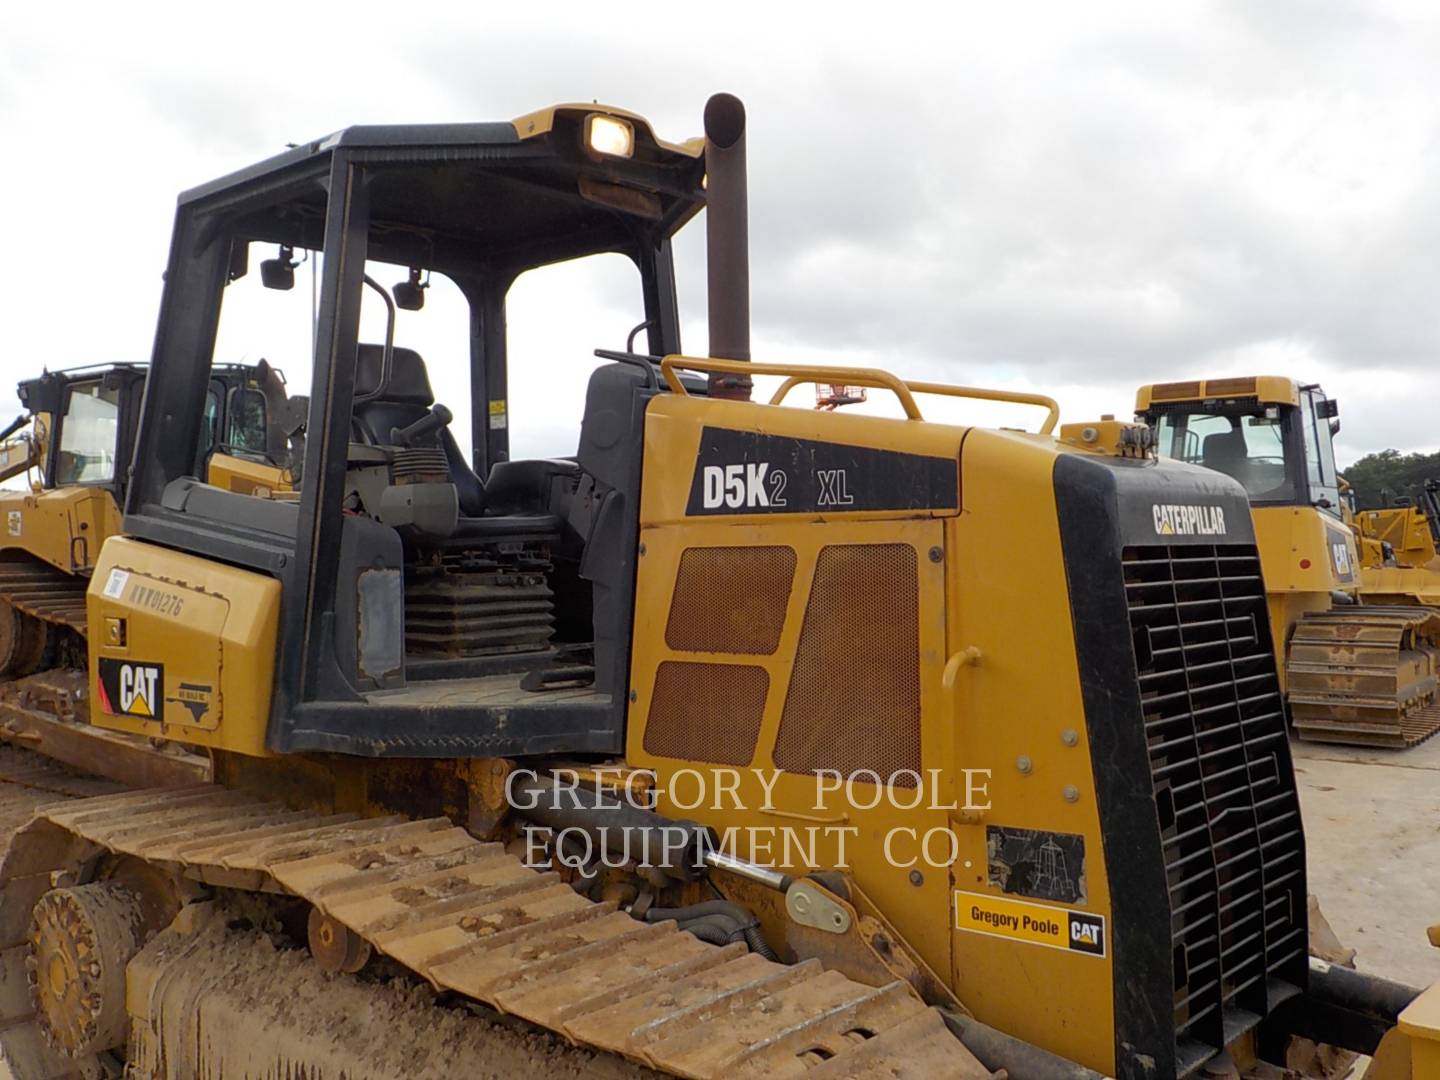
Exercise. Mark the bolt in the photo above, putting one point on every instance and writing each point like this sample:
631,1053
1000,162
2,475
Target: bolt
1089,434
634,696
916,878
642,549
936,554
1024,764
1069,736
802,904
1071,793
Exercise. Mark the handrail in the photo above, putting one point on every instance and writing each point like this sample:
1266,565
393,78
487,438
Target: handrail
1014,397
904,389
798,373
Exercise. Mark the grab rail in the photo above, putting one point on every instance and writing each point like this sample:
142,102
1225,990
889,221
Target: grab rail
905,390
1014,397
881,380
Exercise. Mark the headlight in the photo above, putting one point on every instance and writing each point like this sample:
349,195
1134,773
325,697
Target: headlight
609,136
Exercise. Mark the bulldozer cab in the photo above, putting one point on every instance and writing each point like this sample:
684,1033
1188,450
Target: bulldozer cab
1272,434
427,591
83,422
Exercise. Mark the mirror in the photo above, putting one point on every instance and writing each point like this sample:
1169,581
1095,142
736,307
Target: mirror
279,273
410,295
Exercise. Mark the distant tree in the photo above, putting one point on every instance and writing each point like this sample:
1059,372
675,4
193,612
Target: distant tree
1379,478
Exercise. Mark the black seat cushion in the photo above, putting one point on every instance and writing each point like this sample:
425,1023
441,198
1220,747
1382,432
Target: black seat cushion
506,527
409,382
469,486
1224,450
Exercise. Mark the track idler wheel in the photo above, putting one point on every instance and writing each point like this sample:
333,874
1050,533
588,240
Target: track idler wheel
23,641
81,939
334,947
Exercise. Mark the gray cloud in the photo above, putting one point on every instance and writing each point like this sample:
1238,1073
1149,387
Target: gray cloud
1042,195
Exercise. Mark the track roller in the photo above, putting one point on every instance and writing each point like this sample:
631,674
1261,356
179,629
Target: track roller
335,948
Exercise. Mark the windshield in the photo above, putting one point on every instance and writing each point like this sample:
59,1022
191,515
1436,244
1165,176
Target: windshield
1249,448
247,420
87,435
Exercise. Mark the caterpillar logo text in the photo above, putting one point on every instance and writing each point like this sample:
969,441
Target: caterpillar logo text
1188,520
128,689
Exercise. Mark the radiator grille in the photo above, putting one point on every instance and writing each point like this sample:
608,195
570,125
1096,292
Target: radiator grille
1224,788
706,712
730,599
854,696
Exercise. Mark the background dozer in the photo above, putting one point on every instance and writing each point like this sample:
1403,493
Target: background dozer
1361,651
73,446
1400,549
67,459
916,859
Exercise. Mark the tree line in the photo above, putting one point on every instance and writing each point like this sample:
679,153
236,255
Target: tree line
1378,479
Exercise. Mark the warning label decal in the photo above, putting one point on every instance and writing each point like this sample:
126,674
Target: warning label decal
1037,924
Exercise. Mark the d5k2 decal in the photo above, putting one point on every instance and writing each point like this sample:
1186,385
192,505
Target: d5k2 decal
743,472
132,689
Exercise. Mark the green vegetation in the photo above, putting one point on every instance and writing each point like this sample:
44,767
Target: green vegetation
1379,478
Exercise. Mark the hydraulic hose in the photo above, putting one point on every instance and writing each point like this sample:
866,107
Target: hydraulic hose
738,922
1023,1061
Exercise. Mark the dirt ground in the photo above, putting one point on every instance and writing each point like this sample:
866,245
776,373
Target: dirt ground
1372,829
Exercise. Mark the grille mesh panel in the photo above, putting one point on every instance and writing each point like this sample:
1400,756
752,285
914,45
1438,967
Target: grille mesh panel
854,696
1224,790
706,712
730,599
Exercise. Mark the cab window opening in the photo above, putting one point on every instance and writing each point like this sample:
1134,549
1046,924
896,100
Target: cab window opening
88,433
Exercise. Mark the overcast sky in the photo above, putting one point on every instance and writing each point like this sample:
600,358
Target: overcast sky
1071,198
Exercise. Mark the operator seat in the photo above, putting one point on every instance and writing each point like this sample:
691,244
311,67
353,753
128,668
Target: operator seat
1224,452
406,398
1227,452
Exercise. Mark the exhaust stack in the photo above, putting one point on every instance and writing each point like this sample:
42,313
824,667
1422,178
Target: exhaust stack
727,243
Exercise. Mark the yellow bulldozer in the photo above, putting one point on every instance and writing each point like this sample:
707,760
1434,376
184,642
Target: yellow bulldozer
744,741
1400,549
69,451
72,445
1360,646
